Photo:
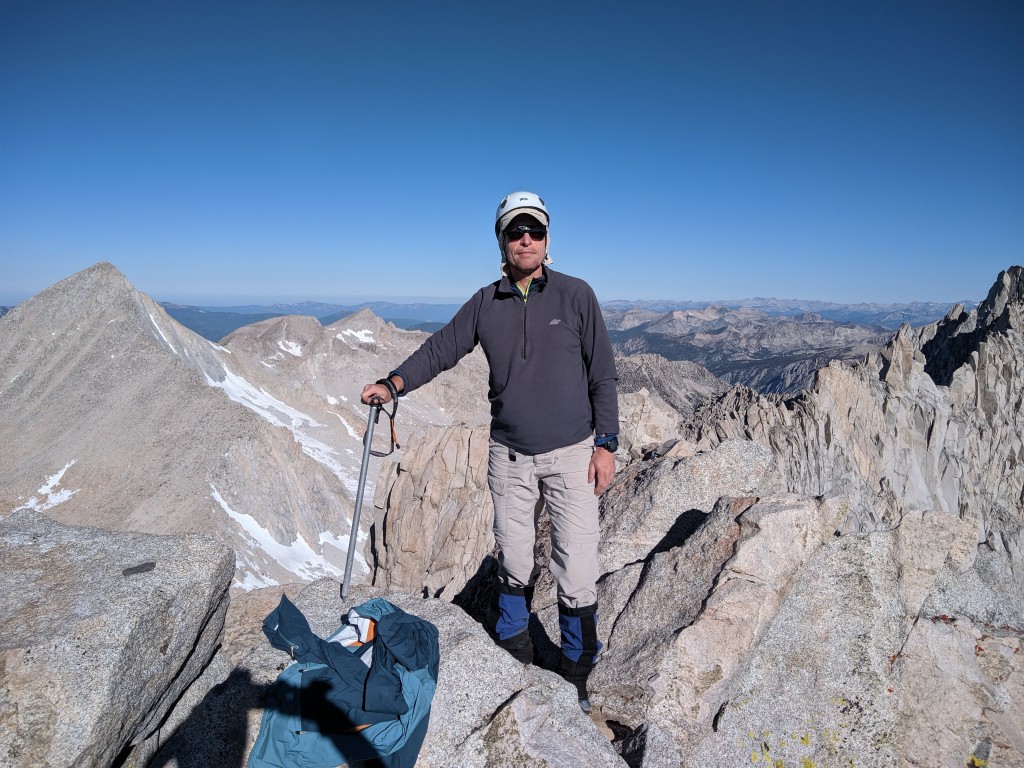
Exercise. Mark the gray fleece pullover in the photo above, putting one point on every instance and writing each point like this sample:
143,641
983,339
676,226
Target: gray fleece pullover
552,372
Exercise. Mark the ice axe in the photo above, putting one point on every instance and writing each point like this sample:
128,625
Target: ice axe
376,406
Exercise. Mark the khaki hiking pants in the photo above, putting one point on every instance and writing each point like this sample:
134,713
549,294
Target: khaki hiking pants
520,485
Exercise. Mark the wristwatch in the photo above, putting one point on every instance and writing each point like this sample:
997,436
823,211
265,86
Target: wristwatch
609,442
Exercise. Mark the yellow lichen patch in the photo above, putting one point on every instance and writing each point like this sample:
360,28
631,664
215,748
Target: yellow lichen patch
806,739
807,763
976,762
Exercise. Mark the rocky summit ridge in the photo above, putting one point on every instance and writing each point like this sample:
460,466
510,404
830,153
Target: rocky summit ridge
115,415
931,422
833,579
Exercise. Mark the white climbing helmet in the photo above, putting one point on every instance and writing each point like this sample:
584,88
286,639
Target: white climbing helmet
520,202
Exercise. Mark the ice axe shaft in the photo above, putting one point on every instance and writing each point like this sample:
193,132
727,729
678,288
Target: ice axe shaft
353,538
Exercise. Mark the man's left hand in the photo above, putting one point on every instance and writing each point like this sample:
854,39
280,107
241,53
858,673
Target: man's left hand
602,468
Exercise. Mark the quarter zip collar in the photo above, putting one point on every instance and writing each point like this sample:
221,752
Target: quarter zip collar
506,285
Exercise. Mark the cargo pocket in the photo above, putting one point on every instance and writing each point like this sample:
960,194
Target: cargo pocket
497,483
574,510
497,469
578,481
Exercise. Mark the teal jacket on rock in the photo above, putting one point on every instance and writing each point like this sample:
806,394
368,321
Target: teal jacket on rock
330,707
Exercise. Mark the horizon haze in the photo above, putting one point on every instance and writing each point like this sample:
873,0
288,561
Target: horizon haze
225,301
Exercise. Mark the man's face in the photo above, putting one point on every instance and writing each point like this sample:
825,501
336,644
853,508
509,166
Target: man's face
525,253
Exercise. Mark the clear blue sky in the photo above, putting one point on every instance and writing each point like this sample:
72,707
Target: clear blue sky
219,152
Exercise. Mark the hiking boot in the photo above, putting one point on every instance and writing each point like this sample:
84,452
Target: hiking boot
577,672
520,646
580,647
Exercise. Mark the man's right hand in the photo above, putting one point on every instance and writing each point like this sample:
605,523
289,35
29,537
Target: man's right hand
379,394
375,394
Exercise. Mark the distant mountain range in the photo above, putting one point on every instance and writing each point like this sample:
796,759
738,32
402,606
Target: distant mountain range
214,323
889,316
745,346
329,313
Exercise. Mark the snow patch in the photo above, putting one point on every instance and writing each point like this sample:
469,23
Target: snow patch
364,336
297,557
282,415
340,543
330,400
251,580
53,497
153,320
348,428
291,348
266,405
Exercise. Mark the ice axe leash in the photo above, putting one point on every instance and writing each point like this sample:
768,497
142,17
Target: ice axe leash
376,406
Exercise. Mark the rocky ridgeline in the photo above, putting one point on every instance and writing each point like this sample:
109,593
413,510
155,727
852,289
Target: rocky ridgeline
932,422
680,384
112,417
741,627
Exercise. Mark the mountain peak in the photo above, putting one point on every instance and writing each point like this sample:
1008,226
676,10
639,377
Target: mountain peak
363,319
1006,292
88,294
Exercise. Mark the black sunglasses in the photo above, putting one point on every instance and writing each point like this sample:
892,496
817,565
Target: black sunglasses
534,231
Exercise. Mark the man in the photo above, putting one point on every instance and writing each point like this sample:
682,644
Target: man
554,426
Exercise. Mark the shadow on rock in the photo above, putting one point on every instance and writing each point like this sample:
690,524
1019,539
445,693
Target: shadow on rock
684,527
480,594
217,733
